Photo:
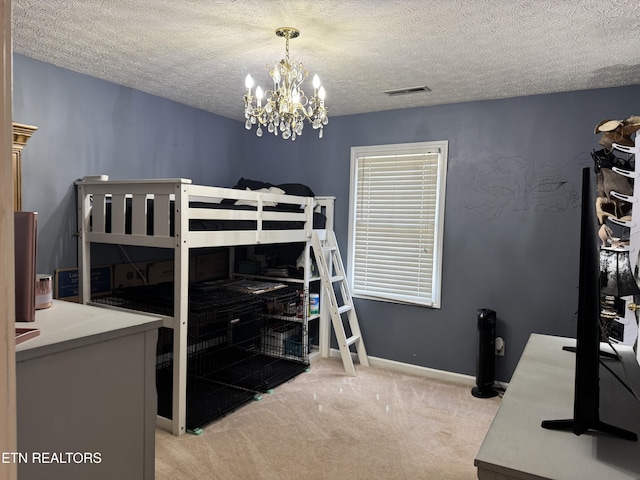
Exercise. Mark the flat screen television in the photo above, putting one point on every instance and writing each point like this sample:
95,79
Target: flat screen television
586,403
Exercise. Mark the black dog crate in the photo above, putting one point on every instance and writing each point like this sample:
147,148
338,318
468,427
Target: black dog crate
224,338
230,355
206,400
157,299
221,340
264,361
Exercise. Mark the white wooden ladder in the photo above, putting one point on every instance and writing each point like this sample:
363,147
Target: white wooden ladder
331,271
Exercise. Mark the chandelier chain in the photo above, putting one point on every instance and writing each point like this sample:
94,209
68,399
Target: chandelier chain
287,46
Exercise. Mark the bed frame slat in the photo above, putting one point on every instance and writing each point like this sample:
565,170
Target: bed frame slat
98,213
161,215
139,214
118,205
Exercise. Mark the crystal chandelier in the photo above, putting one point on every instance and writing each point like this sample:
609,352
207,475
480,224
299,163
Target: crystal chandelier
285,108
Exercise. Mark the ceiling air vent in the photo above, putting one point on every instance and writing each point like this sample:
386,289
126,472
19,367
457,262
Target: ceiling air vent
406,91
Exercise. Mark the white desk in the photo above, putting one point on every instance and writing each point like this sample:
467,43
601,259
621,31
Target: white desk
517,447
87,385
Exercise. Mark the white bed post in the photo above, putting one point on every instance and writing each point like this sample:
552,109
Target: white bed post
306,304
84,247
181,310
324,334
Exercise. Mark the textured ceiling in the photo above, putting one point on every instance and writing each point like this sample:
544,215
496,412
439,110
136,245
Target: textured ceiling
197,52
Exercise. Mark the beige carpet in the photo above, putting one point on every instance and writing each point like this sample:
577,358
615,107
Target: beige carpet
326,425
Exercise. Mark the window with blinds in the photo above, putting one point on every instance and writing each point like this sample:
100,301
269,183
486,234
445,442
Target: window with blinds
396,222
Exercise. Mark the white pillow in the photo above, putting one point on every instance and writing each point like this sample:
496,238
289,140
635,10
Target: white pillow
253,203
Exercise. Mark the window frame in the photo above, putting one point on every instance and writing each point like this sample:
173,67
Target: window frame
416,148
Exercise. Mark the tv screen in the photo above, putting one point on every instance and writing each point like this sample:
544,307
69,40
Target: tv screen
586,402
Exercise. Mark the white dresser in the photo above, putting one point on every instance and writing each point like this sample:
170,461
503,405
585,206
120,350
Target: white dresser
517,447
86,396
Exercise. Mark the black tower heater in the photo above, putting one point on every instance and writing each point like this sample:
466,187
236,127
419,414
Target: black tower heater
485,358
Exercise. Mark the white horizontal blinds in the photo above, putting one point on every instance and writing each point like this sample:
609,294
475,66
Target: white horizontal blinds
394,243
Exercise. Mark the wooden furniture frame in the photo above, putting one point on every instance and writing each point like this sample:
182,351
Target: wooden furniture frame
21,135
8,436
171,199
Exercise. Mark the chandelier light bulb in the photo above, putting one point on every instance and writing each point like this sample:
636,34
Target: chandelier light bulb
248,82
259,95
286,106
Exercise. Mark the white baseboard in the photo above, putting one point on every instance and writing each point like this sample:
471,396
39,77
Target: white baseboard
411,369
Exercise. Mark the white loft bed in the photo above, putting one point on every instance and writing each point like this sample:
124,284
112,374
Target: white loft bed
174,214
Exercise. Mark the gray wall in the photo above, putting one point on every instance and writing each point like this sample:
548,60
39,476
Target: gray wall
511,221
512,207
88,126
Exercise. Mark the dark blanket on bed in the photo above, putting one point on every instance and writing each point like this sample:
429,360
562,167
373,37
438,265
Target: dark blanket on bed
319,220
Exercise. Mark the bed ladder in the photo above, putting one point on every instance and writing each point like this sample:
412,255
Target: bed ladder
331,271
